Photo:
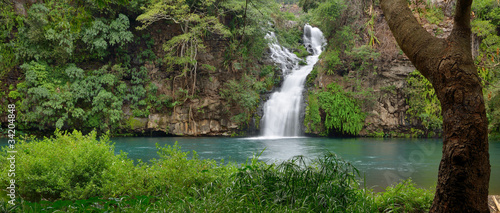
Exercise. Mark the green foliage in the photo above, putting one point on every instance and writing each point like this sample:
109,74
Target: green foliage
9,21
312,76
487,10
195,20
301,52
434,14
75,166
312,119
490,44
327,184
178,171
247,30
72,172
290,36
309,4
268,78
363,57
70,166
103,33
404,197
485,26
492,101
326,14
424,107
343,113
240,94
332,60
55,98
288,1
51,32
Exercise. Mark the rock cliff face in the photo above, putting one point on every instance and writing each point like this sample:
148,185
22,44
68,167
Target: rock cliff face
389,110
385,79
385,105
198,117
205,114
209,115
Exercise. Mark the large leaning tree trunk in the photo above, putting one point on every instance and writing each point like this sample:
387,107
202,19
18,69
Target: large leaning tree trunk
464,171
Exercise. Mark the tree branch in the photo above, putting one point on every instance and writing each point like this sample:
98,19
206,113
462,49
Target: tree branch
412,38
461,26
462,14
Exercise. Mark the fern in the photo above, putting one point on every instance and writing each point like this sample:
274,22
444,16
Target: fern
343,113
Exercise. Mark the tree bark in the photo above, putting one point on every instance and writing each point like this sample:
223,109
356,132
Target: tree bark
464,171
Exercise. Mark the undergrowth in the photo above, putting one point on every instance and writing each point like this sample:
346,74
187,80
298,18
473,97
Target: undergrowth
179,182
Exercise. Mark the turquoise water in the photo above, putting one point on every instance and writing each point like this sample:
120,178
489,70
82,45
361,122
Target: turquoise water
382,161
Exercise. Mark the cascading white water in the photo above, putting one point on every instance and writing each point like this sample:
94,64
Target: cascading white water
282,110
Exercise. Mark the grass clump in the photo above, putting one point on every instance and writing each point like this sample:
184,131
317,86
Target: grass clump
404,197
327,183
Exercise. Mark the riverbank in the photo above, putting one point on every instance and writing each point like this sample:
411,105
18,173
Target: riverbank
74,172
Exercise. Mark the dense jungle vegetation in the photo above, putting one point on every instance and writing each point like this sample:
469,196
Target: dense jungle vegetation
98,64
360,45
101,65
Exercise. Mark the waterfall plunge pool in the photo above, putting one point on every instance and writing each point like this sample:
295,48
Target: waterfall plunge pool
381,161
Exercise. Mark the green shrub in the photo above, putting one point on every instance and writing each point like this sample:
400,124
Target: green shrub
103,33
58,97
434,15
69,166
404,197
332,59
326,14
9,21
75,166
176,170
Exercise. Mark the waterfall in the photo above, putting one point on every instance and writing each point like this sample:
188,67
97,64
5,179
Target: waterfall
282,110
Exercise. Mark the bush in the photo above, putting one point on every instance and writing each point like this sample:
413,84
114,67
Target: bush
73,166
69,166
326,16
61,97
179,172
404,197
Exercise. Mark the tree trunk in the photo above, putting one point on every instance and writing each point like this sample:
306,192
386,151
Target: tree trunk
464,171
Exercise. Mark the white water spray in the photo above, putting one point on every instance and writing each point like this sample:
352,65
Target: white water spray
282,110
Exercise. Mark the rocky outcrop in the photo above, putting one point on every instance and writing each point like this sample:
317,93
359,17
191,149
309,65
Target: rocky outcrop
385,104
199,117
389,110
